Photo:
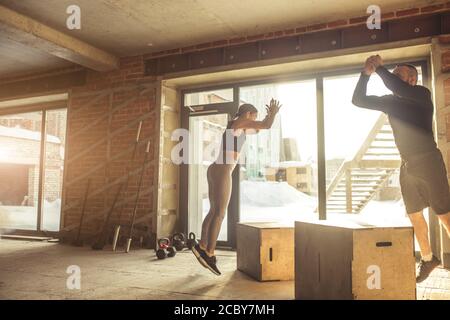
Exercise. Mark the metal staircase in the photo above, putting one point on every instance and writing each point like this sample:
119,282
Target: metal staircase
358,180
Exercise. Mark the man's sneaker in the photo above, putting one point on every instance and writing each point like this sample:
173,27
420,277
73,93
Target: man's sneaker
425,268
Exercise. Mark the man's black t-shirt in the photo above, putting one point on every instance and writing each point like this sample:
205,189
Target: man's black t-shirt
409,109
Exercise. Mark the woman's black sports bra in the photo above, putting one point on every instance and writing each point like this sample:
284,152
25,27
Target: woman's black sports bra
235,143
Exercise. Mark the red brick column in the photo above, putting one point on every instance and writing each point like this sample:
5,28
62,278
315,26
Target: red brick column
103,117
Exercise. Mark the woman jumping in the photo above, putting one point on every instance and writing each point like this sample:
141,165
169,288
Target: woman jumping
219,175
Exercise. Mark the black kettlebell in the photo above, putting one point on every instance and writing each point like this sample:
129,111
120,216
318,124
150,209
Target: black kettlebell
191,241
171,252
164,249
179,241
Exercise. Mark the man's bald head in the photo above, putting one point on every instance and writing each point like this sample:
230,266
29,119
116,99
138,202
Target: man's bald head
407,72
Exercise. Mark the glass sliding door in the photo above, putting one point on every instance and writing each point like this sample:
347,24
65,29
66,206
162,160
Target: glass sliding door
20,147
205,137
31,166
205,114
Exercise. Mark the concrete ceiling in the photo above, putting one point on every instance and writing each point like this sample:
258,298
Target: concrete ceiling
17,59
134,27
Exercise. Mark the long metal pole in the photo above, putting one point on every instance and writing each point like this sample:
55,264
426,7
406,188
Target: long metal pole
133,218
129,166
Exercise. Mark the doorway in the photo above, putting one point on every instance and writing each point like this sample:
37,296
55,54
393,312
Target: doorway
205,116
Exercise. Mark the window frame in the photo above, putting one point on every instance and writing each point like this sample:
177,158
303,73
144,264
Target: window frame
51,106
231,107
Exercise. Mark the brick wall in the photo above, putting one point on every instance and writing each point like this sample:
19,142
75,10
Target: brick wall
440,6
52,186
103,118
33,186
56,124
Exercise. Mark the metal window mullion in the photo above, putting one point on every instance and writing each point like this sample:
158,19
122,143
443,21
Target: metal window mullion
321,163
41,169
234,208
184,173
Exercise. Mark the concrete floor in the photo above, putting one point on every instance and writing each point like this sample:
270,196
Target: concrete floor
37,270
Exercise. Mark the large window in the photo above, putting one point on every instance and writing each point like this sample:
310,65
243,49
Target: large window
362,161
278,179
321,156
31,169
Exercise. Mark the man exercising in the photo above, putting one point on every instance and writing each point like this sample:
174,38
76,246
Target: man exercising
423,176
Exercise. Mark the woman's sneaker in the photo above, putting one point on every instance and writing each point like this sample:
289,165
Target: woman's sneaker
211,263
206,261
199,252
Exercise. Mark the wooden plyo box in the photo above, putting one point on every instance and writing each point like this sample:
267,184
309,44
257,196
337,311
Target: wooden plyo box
265,251
350,260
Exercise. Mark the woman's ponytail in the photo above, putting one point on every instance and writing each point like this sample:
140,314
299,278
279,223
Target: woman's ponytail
244,108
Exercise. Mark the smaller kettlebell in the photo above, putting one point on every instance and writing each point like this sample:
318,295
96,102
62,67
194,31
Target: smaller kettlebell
165,249
179,241
191,241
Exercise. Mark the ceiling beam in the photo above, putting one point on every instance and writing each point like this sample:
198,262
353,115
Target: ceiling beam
32,33
45,85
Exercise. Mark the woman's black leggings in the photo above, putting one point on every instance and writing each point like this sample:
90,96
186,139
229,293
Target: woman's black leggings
219,190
